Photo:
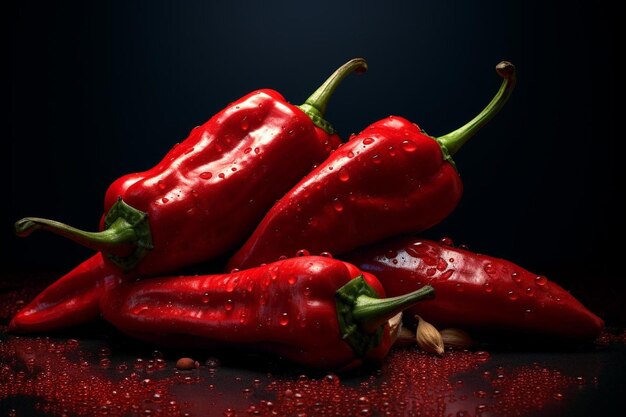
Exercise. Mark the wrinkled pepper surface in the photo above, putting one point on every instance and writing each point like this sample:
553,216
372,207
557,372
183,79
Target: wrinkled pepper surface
316,311
201,201
390,179
477,292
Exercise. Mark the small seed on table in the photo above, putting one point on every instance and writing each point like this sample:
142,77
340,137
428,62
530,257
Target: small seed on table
186,364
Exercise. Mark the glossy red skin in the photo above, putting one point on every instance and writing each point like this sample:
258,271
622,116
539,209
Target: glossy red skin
399,183
477,292
244,310
204,218
71,300
255,150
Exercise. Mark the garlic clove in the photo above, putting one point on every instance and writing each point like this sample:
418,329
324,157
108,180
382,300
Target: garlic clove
428,337
395,327
405,338
456,338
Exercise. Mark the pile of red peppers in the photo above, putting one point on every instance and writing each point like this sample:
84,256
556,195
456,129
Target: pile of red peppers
315,233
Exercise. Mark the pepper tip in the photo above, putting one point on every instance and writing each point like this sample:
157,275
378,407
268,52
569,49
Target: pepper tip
24,227
505,69
361,65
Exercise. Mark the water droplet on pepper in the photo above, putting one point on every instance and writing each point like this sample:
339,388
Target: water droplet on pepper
446,241
337,205
417,249
344,175
408,145
390,254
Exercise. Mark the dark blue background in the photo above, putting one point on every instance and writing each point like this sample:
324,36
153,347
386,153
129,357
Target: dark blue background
99,89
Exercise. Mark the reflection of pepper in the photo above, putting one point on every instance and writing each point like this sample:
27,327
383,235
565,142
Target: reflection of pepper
205,197
390,179
477,292
309,310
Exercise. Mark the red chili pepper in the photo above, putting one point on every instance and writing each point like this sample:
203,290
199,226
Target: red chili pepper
309,310
390,179
477,292
201,201
71,300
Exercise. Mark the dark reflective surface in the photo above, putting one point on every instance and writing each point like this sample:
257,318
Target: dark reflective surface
96,371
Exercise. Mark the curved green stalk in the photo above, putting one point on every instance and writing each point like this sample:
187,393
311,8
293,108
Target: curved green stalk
362,315
315,106
453,141
127,237
118,239
373,312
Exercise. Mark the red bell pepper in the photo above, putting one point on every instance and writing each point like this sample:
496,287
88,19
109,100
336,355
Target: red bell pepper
477,292
201,201
390,179
316,311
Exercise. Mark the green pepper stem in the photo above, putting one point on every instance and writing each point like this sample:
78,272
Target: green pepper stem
372,312
453,141
362,315
127,237
118,239
315,106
